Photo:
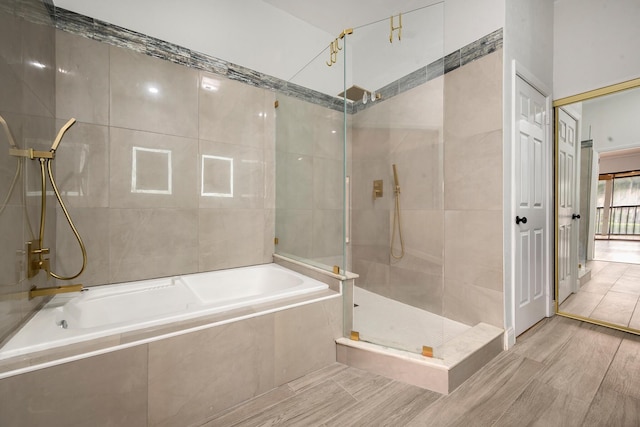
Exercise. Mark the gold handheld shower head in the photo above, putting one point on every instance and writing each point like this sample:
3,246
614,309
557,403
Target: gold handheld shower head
395,177
12,143
63,129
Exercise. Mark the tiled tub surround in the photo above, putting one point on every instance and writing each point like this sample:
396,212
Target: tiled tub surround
193,371
168,171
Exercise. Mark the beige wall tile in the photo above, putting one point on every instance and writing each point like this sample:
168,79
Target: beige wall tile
365,172
147,243
233,113
82,165
196,375
109,389
294,126
417,155
473,250
269,234
294,230
418,289
269,179
471,304
294,181
11,261
329,135
315,328
222,165
374,276
370,227
473,171
82,80
473,98
93,226
165,170
38,46
230,237
153,95
328,185
327,233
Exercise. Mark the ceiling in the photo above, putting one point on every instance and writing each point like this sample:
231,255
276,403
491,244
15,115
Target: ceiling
333,16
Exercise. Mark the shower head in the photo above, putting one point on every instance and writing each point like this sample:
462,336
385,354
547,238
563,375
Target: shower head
395,177
63,129
12,143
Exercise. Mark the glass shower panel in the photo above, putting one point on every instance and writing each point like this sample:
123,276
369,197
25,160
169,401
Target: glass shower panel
397,121
310,163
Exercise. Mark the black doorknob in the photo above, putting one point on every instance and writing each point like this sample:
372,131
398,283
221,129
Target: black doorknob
521,220
575,216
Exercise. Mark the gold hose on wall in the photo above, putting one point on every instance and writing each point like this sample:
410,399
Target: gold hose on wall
36,251
396,217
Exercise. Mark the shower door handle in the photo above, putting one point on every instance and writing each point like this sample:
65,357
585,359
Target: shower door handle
521,220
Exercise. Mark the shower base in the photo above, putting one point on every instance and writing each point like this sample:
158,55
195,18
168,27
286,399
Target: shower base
392,335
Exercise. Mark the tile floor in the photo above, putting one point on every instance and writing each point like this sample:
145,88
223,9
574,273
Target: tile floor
560,372
611,295
617,251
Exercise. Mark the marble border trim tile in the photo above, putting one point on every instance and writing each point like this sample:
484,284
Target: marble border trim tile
469,53
34,11
95,29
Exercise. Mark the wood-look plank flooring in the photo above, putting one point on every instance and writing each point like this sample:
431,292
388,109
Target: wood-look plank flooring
560,373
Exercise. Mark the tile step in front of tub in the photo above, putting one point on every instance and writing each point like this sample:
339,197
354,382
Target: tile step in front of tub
453,362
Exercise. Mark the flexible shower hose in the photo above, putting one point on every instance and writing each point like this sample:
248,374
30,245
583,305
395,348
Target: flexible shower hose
66,214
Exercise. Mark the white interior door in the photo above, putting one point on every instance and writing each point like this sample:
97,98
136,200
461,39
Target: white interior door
531,225
567,205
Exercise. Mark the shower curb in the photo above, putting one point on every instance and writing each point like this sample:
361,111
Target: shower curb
454,362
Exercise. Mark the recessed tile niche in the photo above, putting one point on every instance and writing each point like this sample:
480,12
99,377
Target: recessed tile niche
217,176
151,171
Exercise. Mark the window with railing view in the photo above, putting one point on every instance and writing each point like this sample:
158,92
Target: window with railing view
621,193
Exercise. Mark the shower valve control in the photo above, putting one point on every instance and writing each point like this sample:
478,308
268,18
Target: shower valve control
377,188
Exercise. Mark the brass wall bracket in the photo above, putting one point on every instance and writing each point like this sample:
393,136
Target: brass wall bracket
31,153
399,28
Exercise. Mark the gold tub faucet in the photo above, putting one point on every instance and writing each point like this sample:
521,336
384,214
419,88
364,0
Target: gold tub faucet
43,292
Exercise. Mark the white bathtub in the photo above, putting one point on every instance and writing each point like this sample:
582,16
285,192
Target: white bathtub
113,309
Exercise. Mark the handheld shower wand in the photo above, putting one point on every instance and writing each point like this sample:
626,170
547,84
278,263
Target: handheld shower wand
396,217
42,263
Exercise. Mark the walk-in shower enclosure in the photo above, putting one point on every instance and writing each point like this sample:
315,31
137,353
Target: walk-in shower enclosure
330,150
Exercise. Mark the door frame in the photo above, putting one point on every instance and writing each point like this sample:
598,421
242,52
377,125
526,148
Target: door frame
519,70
